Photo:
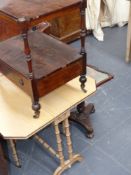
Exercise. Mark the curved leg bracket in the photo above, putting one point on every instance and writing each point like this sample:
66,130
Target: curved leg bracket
68,164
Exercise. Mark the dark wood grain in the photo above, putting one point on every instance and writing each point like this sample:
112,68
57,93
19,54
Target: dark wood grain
67,26
34,8
33,11
54,63
33,57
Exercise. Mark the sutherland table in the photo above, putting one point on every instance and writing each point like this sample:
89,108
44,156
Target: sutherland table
17,122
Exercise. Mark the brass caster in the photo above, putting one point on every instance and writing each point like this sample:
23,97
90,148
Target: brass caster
36,115
83,89
83,80
36,107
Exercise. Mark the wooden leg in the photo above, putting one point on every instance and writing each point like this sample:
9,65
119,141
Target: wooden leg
68,138
63,125
81,116
14,152
59,144
45,145
3,162
72,158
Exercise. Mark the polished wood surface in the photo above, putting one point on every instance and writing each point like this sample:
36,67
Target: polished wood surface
67,26
54,63
46,52
33,9
13,11
47,67
16,116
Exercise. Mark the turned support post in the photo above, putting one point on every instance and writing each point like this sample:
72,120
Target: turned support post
83,78
35,99
59,144
68,138
14,152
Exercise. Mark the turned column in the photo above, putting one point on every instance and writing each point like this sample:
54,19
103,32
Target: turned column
83,78
35,98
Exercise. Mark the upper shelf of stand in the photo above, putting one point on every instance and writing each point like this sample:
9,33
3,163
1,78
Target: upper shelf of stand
32,9
13,13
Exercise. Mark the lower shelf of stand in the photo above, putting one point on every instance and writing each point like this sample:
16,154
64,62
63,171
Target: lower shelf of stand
54,63
16,121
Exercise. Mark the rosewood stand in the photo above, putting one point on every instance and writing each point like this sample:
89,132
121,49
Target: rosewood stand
36,62
13,24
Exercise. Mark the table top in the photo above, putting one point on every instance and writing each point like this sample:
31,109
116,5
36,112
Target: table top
16,112
33,8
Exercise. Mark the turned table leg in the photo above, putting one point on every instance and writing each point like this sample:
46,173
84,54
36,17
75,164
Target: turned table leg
68,139
14,152
81,116
59,144
72,158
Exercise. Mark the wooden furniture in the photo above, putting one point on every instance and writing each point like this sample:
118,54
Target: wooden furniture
72,158
17,123
12,12
38,63
82,116
67,26
128,51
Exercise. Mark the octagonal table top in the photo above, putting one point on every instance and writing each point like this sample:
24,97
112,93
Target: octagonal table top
16,114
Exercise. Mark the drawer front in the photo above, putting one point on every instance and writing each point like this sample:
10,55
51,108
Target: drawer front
59,78
16,78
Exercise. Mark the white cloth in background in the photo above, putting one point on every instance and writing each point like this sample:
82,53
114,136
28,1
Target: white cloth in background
112,12
92,18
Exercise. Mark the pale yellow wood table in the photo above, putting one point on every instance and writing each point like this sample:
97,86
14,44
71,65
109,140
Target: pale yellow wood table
16,121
